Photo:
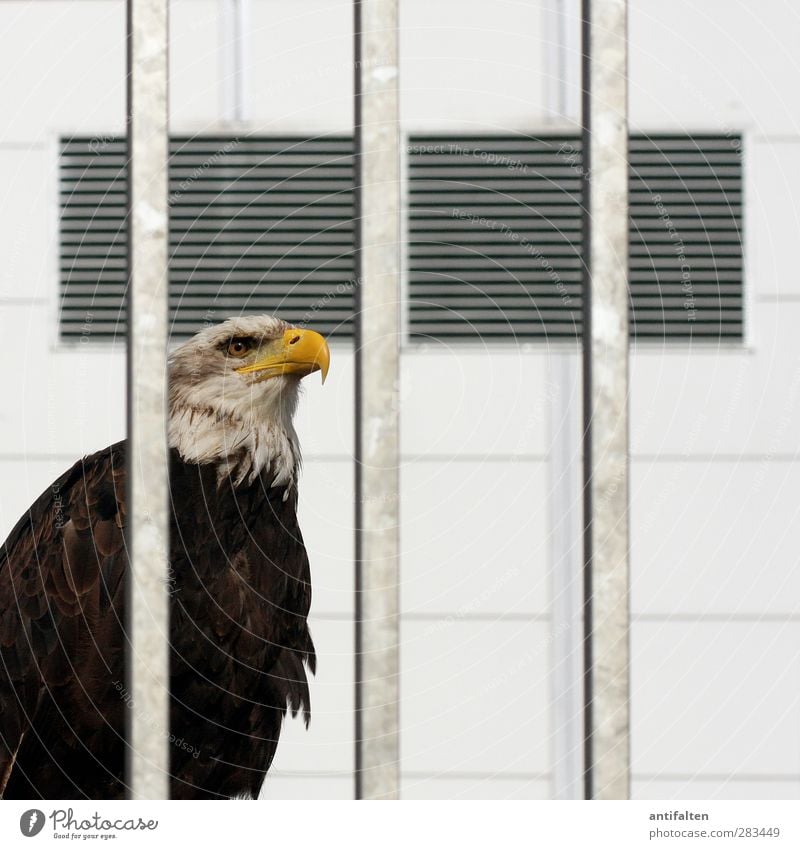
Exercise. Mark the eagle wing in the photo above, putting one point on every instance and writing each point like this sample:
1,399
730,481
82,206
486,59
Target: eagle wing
61,620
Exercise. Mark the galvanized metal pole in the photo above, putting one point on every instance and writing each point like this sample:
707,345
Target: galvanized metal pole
148,527
605,363
377,157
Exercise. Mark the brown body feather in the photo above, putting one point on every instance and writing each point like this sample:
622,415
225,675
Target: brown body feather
240,594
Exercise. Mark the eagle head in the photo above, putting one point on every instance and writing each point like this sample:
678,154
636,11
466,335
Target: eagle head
233,391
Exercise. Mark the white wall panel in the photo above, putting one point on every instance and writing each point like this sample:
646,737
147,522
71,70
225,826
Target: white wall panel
474,538
714,64
494,787
724,400
719,537
28,238
326,518
299,786
195,64
464,400
772,219
301,65
474,697
471,64
700,788
716,698
324,419
63,68
67,402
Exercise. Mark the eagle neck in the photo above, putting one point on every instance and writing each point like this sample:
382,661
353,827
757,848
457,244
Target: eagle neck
243,448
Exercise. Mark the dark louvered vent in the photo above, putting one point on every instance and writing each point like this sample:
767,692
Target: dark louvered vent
256,225
495,230
264,224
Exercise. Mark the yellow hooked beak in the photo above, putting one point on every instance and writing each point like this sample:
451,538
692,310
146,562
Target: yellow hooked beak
299,352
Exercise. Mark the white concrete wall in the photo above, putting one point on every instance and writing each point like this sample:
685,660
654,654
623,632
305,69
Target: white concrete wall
715,536
716,656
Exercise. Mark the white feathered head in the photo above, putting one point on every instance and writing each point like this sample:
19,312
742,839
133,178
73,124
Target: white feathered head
233,391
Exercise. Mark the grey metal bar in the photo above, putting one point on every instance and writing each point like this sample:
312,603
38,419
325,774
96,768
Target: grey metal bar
605,363
377,148
148,528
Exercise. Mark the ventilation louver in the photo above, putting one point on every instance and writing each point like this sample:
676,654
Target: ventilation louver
264,224
495,229
256,225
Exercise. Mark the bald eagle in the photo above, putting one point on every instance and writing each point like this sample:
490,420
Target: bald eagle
239,586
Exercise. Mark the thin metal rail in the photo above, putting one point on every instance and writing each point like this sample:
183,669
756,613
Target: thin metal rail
377,160
605,379
147,523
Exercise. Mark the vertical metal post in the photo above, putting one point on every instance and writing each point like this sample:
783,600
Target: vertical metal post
235,60
605,376
148,527
562,90
377,158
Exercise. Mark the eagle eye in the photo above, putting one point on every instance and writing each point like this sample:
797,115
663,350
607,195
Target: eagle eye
239,347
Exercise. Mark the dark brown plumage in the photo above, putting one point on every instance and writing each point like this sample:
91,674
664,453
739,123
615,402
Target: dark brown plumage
241,594
240,591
